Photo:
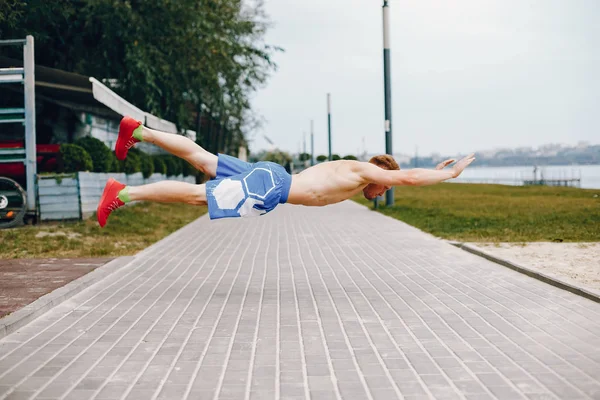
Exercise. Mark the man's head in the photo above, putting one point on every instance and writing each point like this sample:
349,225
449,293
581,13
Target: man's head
384,161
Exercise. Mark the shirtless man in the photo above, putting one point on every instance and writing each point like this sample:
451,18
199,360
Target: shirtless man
241,189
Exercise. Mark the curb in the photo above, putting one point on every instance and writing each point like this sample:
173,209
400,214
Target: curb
587,293
23,316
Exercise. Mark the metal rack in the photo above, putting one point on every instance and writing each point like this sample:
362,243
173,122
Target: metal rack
25,116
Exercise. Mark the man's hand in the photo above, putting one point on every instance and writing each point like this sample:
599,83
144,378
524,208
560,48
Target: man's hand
459,167
444,164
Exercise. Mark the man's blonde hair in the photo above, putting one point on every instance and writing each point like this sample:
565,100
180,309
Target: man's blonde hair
385,161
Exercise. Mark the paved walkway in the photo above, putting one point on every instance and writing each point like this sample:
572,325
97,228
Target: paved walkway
328,303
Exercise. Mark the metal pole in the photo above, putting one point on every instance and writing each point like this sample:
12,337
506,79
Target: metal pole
389,195
329,121
312,143
304,142
30,149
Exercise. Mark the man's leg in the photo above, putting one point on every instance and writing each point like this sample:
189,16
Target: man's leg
169,192
116,195
132,131
183,147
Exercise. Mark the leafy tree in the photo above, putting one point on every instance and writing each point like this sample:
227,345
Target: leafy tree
278,156
175,59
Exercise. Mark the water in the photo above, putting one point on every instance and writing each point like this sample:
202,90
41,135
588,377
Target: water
589,174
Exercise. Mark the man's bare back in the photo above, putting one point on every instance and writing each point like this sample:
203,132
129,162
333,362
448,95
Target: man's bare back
336,181
326,183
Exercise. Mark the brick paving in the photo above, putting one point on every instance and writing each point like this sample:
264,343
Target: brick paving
23,281
308,303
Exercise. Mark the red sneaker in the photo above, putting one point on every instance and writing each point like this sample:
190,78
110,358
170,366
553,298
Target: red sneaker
109,201
126,140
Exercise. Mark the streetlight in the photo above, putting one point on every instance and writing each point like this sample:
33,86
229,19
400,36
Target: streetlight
329,121
389,195
312,143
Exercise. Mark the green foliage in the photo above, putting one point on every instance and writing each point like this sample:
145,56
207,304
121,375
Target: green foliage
159,165
277,156
321,158
173,165
335,157
98,151
10,12
132,163
142,224
188,169
113,165
350,157
146,163
498,213
304,157
147,166
207,53
74,158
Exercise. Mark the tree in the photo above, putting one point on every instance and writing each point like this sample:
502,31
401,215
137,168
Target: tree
170,58
304,156
278,156
321,158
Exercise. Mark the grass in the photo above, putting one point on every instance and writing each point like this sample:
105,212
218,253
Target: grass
129,230
496,213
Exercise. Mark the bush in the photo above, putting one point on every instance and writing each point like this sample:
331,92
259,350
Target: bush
98,151
132,163
173,165
350,157
159,165
187,169
304,157
147,166
74,158
321,158
113,165
335,157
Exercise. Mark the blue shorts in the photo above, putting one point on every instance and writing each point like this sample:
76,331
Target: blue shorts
242,189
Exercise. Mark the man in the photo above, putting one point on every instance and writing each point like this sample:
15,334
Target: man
241,189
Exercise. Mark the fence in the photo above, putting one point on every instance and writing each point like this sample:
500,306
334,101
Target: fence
76,196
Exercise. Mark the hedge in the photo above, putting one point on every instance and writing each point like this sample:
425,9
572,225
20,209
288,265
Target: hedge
98,151
75,158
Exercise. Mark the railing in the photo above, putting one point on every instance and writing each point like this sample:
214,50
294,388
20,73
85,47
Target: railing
25,115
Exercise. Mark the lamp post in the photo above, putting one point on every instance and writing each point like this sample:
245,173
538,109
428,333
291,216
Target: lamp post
312,143
389,195
329,121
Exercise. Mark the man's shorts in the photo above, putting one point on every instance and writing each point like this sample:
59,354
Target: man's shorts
242,189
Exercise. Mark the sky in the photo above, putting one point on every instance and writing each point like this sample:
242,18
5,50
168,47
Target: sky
467,75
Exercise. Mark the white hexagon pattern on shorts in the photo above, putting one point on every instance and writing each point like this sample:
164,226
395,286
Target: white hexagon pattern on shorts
255,173
247,209
228,194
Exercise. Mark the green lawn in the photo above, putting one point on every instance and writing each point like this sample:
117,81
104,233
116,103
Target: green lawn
496,213
129,230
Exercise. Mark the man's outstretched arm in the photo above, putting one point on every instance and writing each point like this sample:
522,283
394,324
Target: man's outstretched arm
413,177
